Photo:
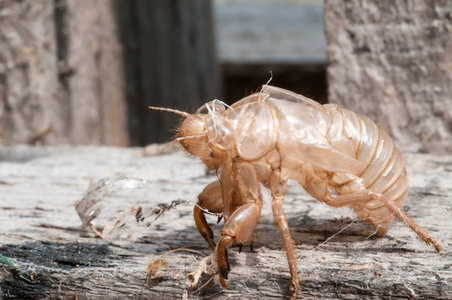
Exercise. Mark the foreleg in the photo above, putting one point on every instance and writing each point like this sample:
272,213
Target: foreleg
210,200
240,225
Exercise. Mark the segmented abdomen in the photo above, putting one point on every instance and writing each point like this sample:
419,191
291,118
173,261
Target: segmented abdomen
385,172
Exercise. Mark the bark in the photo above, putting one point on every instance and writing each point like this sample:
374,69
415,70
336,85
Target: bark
338,256
391,60
60,73
170,62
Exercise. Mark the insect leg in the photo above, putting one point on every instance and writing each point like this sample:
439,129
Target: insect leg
421,232
343,200
278,190
239,226
210,200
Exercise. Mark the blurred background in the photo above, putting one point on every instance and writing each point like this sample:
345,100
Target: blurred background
84,72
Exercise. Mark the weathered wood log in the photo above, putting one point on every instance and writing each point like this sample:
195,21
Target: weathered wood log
391,60
60,73
338,255
169,59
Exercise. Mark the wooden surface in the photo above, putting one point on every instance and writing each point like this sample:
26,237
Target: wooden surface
61,73
391,61
338,257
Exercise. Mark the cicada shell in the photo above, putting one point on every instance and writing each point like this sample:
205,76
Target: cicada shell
340,158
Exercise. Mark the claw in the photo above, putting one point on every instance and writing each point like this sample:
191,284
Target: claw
240,248
222,258
223,282
251,246
224,272
219,219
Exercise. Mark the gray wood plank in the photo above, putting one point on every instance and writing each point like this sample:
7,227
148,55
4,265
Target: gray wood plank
338,256
392,62
270,32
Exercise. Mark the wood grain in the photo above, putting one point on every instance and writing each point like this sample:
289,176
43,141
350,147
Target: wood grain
391,61
338,256
61,74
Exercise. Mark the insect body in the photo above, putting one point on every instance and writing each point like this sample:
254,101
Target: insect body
339,157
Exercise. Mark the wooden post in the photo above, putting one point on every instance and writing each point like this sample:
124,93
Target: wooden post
391,60
60,73
170,62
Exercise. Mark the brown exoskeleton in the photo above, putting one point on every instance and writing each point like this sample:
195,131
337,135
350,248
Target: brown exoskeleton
339,157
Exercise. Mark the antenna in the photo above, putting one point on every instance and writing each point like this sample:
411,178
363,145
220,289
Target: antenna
182,113
172,143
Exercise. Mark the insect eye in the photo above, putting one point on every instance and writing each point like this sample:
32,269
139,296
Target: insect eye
221,134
